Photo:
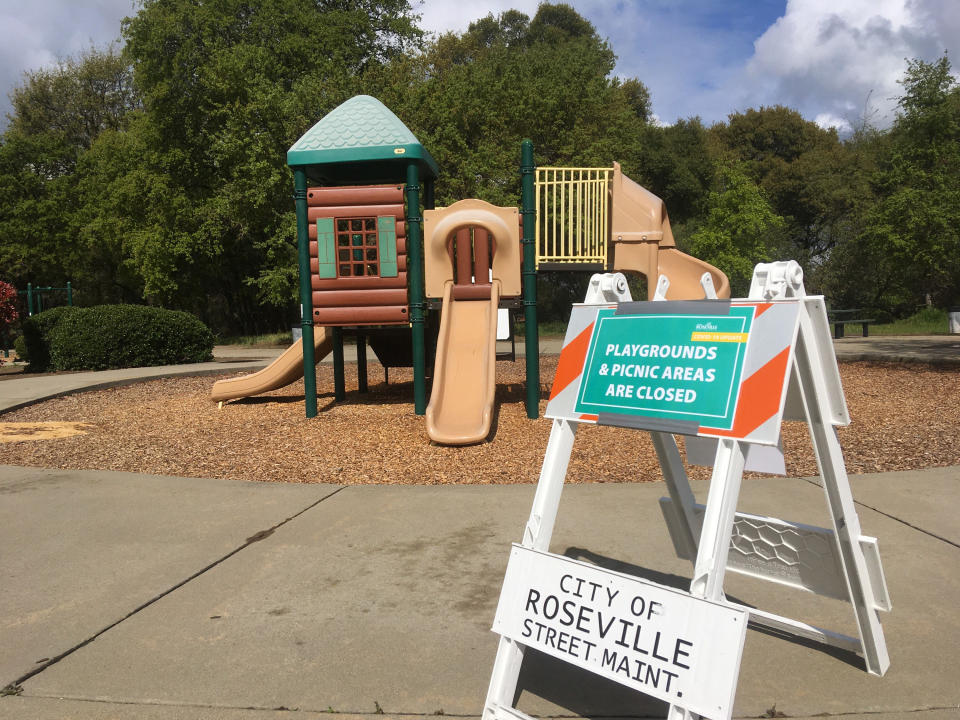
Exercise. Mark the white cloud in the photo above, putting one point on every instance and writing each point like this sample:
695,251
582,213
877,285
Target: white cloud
658,121
842,60
826,58
826,120
35,35
441,16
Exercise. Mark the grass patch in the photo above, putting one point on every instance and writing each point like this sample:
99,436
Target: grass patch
552,328
929,321
270,339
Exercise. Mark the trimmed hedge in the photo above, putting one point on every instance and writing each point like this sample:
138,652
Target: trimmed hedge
34,344
120,336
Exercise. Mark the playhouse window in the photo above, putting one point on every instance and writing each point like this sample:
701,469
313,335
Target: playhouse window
358,247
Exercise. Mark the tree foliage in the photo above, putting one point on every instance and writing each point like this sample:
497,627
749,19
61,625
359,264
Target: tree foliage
739,230
473,97
58,115
809,176
227,88
916,223
157,172
674,163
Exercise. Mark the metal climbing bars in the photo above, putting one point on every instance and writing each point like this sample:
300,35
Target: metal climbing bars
573,216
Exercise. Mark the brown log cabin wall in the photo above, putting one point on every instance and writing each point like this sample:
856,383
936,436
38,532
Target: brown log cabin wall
358,300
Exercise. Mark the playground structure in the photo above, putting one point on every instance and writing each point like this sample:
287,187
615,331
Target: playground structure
372,267
472,261
34,296
599,219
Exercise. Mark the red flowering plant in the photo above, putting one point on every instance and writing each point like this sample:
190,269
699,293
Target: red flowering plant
8,310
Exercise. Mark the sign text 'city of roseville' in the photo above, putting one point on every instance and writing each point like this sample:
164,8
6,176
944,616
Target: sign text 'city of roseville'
652,638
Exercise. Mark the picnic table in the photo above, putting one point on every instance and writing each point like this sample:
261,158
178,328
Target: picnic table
840,318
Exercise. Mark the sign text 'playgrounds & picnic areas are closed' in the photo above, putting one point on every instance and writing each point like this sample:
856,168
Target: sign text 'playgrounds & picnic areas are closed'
671,366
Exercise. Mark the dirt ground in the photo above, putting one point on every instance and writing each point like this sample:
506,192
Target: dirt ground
904,417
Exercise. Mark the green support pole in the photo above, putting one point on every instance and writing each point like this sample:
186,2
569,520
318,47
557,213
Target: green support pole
29,299
339,384
415,271
531,335
306,299
362,363
69,294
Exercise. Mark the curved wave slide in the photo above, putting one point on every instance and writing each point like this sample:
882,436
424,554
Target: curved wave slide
284,370
464,373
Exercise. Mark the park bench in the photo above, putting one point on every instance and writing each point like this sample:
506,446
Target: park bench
839,318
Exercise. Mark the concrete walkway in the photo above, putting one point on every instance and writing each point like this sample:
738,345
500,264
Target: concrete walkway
132,596
135,596
941,350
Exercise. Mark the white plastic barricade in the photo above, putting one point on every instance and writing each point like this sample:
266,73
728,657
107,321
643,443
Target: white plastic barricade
728,372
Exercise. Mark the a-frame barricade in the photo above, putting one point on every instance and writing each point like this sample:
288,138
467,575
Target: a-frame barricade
722,371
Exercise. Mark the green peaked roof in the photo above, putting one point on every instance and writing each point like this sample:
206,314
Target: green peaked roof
360,140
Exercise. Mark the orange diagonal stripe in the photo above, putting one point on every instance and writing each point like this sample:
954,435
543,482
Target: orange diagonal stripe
759,397
570,364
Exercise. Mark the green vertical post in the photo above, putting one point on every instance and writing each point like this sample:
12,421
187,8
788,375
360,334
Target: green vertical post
362,363
339,383
69,294
531,335
29,299
306,297
415,272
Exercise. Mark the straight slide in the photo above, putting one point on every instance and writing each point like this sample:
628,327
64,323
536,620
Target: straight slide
464,373
284,370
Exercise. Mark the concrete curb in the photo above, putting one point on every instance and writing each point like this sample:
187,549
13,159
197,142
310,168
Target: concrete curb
937,351
26,391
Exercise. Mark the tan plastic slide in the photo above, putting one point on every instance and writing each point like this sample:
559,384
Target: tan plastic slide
643,242
284,370
464,373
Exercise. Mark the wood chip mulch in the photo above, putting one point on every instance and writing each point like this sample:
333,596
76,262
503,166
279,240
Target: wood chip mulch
904,417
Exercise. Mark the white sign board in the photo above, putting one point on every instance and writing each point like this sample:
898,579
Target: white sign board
652,638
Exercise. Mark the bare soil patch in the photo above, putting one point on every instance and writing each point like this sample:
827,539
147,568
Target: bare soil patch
904,417
20,431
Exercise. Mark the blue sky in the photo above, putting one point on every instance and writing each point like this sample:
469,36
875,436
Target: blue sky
833,60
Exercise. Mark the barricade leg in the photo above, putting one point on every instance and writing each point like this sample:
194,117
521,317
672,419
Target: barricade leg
843,513
536,535
714,543
678,486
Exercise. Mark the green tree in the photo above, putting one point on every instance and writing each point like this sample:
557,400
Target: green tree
740,228
810,178
227,88
913,230
58,113
918,217
77,99
472,97
674,163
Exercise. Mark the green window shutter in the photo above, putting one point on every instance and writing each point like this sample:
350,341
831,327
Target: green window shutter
326,248
387,238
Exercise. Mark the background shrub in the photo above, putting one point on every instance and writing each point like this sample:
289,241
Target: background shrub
121,336
34,344
20,347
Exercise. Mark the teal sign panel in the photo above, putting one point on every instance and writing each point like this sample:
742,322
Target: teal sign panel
678,367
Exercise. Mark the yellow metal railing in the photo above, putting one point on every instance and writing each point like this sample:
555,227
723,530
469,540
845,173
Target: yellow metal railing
573,215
